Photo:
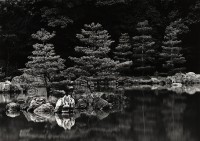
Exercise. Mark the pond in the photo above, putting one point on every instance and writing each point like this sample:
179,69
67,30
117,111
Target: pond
150,115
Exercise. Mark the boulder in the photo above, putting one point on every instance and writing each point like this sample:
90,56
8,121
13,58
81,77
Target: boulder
101,104
37,91
5,86
192,77
82,104
112,98
15,88
155,80
44,108
65,102
12,107
36,102
53,100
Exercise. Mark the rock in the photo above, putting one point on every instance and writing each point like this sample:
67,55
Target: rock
82,104
36,102
155,80
12,107
101,104
32,91
5,86
101,114
192,77
58,92
53,100
112,98
15,88
44,108
66,102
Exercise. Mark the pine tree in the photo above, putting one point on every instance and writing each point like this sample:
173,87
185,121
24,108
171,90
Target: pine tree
96,39
44,62
143,48
123,52
171,49
95,61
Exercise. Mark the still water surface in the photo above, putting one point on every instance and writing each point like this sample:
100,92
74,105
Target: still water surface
150,116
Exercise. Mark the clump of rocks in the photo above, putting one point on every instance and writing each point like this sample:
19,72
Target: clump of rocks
42,106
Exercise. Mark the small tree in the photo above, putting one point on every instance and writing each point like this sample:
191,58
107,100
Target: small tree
44,62
95,61
123,52
143,48
171,49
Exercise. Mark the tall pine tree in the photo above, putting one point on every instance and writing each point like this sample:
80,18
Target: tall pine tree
171,49
95,61
123,52
143,49
44,62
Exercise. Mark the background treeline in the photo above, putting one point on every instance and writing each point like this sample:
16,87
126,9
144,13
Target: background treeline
20,19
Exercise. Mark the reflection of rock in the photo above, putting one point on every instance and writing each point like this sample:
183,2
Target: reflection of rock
12,107
66,123
176,85
44,108
65,102
5,98
33,117
13,114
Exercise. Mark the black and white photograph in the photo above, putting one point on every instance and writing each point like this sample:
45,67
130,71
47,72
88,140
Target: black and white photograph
99,70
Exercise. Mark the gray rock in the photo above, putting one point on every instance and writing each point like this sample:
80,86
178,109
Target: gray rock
101,104
82,104
65,102
12,107
36,102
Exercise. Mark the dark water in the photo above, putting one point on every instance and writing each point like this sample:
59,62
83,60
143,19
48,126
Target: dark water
150,116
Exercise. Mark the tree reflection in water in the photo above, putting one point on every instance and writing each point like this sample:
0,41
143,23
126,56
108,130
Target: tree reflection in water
157,114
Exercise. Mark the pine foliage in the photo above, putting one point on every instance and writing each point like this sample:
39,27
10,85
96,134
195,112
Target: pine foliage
95,61
123,54
123,50
143,48
171,52
44,62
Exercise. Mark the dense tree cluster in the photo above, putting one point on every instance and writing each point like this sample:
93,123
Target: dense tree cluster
148,35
